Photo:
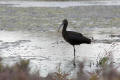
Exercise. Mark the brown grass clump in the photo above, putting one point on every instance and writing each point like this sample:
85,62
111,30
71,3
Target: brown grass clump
105,71
20,71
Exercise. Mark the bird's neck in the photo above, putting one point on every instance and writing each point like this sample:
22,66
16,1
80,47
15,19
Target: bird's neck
64,27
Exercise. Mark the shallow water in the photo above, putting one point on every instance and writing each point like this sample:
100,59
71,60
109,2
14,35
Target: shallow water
30,32
46,52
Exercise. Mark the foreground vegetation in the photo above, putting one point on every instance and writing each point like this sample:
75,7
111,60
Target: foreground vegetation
105,70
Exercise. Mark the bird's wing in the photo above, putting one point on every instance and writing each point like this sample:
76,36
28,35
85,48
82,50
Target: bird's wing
78,37
71,33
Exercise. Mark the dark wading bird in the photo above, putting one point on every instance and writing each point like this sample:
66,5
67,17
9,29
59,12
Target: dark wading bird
73,38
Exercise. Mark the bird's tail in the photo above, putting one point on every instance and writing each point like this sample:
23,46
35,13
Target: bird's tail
87,40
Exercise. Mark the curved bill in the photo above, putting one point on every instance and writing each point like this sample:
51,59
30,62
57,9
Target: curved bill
60,27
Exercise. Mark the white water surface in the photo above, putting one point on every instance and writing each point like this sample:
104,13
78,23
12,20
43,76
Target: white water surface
60,4
46,52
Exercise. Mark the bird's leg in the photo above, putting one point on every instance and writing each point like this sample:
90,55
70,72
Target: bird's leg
74,56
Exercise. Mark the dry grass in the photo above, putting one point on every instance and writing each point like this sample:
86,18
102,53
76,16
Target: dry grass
20,71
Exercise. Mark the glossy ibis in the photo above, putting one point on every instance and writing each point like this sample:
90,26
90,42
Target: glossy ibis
73,38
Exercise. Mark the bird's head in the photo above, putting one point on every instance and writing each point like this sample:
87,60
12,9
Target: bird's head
64,23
